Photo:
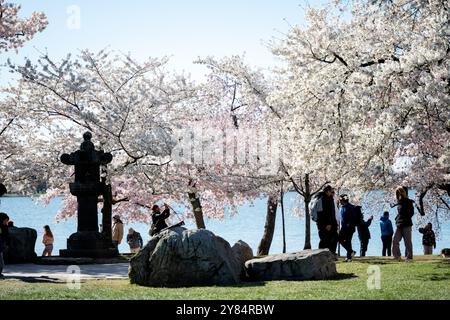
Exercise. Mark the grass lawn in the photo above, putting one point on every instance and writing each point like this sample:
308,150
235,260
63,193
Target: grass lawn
424,278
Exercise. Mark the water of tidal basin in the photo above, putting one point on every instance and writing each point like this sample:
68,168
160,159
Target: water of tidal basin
248,226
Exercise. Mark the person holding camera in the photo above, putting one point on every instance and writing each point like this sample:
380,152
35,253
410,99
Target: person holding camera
159,219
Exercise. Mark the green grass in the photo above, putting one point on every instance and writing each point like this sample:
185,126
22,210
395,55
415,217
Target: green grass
425,278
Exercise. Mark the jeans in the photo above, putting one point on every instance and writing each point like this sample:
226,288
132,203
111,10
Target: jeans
2,262
364,244
328,239
427,250
405,234
345,239
387,245
115,244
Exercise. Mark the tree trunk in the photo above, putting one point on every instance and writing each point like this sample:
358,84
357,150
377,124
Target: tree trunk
282,217
107,212
269,227
307,199
197,208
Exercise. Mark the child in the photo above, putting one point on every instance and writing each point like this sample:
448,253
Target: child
387,231
48,242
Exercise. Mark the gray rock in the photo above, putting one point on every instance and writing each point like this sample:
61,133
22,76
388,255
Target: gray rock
21,246
242,252
303,265
181,258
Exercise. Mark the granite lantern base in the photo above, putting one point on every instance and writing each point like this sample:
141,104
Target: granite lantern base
89,244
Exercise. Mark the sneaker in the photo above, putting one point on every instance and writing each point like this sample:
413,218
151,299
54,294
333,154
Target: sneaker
348,260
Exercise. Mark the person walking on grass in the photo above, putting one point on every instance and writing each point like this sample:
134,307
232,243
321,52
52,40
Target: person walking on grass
403,221
117,231
134,240
47,240
364,234
387,231
428,239
327,223
347,226
4,239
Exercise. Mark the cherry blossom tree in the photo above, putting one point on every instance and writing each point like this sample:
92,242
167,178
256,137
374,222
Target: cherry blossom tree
15,31
376,87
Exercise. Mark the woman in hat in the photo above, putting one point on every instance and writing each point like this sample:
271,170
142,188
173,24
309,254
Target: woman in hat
117,231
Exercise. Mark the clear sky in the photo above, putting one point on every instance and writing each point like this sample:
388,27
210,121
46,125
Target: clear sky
183,30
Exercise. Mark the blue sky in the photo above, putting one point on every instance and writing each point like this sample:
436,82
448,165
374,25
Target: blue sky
183,30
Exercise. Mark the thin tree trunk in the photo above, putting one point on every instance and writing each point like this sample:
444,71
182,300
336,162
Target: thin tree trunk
194,199
307,198
269,227
282,217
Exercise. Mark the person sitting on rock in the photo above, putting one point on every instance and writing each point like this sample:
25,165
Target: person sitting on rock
159,219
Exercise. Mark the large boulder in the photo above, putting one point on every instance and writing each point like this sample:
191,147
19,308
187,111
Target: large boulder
181,258
21,246
305,265
242,252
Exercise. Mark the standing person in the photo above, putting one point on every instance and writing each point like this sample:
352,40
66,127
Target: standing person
364,235
134,240
347,226
326,220
159,219
117,231
386,234
47,240
403,221
4,239
428,239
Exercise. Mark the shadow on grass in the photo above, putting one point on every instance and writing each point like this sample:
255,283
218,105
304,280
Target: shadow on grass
438,277
342,276
34,279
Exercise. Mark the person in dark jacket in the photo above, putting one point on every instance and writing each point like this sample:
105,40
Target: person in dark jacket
386,234
403,221
364,235
428,239
134,240
326,221
4,239
159,219
347,226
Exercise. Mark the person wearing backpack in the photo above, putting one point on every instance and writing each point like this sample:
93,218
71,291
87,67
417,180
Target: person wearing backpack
324,213
386,234
347,226
403,221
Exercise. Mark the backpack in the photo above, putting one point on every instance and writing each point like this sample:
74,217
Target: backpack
315,206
